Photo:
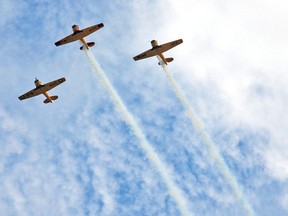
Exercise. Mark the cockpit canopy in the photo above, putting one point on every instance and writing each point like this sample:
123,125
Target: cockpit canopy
154,43
37,82
75,28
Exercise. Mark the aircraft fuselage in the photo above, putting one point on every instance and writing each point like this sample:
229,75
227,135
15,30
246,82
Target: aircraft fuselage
155,45
76,29
48,97
38,85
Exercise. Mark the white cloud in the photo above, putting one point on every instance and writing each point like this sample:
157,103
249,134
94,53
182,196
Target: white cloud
231,65
238,50
277,162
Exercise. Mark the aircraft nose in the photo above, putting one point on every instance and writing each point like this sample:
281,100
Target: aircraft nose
153,42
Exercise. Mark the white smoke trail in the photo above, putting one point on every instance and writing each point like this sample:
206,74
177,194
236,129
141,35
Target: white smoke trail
212,148
174,191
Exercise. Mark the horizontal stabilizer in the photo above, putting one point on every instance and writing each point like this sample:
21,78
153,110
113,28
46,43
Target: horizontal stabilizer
55,97
90,44
47,101
167,60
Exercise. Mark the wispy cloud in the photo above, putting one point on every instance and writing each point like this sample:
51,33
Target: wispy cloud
78,157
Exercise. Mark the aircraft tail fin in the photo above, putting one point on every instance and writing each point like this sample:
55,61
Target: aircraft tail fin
90,44
52,98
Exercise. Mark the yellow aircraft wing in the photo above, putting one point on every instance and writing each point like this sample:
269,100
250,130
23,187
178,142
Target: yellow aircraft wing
158,50
79,34
41,89
146,54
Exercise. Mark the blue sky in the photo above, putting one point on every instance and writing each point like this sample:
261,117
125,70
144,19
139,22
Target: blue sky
78,156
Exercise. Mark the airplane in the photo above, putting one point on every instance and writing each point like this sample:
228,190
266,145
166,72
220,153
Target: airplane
159,50
43,89
79,35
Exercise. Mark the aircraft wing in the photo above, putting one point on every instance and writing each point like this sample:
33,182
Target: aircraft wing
164,47
146,54
79,34
43,88
29,94
158,50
